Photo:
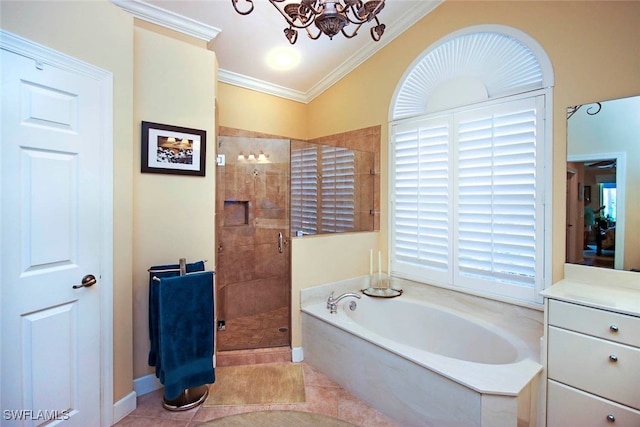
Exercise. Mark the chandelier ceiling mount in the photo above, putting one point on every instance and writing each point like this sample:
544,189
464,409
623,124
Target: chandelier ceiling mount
329,16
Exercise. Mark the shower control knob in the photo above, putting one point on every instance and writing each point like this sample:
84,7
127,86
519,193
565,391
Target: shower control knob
611,418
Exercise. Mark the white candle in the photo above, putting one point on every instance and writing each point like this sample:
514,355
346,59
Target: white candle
379,263
370,262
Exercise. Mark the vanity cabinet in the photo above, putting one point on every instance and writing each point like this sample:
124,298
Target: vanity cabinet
593,364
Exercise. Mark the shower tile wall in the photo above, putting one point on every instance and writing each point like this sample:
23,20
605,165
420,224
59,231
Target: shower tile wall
252,278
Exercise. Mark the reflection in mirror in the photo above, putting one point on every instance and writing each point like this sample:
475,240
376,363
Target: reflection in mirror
603,195
332,189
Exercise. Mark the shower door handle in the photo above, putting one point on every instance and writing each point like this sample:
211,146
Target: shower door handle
280,242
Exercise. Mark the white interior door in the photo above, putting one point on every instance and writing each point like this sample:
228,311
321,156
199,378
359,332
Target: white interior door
52,238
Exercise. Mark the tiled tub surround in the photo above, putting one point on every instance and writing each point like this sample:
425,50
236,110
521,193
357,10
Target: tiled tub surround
480,369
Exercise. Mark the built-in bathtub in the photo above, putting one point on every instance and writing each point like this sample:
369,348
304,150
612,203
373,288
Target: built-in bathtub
430,357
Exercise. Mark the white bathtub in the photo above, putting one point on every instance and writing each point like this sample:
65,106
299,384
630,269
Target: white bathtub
421,361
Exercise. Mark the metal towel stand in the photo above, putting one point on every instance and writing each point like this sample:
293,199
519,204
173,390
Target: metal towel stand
191,397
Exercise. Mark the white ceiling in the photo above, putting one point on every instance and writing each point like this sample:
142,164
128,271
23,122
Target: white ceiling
242,43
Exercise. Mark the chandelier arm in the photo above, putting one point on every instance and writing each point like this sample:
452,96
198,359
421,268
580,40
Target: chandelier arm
354,10
307,4
311,5
311,36
291,23
362,19
355,31
235,6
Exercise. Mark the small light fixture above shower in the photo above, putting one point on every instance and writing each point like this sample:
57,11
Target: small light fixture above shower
252,157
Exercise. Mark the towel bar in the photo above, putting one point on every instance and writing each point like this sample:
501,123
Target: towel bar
194,396
167,270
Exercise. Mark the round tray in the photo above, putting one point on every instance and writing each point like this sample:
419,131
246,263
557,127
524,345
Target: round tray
382,292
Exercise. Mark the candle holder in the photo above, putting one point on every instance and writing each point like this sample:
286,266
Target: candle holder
380,287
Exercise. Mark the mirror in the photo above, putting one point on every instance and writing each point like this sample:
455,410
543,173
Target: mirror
603,177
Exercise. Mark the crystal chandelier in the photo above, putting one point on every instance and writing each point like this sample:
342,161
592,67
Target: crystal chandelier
330,17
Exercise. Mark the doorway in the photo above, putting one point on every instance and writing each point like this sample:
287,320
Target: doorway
595,204
253,285
56,221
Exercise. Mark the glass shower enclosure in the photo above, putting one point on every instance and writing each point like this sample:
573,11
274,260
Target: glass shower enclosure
267,190
253,285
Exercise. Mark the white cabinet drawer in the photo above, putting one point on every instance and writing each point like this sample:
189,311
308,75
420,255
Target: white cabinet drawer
617,327
567,406
597,366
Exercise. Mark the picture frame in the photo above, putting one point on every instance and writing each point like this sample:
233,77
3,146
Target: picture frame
173,150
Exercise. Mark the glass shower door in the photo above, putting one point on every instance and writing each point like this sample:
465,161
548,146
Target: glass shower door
252,229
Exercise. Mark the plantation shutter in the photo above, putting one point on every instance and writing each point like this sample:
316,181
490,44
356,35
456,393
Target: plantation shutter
338,189
304,190
497,190
421,201
467,196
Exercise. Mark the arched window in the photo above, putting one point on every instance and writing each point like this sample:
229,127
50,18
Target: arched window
469,129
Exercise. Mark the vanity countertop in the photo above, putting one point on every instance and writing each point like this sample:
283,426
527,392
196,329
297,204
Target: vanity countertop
617,291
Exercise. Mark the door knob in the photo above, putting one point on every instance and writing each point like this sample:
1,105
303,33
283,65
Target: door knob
87,281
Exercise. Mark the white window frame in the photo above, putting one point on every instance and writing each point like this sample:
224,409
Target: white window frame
528,296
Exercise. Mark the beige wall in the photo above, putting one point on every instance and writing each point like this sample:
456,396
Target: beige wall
101,34
241,108
173,216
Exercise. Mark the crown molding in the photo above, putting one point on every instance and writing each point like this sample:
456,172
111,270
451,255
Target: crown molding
243,81
159,16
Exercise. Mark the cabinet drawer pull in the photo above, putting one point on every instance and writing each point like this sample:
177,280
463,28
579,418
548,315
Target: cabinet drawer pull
613,358
613,328
611,418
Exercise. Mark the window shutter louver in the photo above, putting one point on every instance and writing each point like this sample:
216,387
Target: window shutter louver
496,193
467,207
304,190
322,176
421,200
338,189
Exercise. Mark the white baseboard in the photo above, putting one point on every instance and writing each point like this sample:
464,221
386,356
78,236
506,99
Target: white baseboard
146,384
297,355
124,407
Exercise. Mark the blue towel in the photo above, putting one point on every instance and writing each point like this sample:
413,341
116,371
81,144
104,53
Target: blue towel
158,272
185,332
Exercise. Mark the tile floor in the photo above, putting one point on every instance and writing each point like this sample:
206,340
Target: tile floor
269,329
323,396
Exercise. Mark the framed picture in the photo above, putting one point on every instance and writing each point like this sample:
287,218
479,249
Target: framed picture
173,150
